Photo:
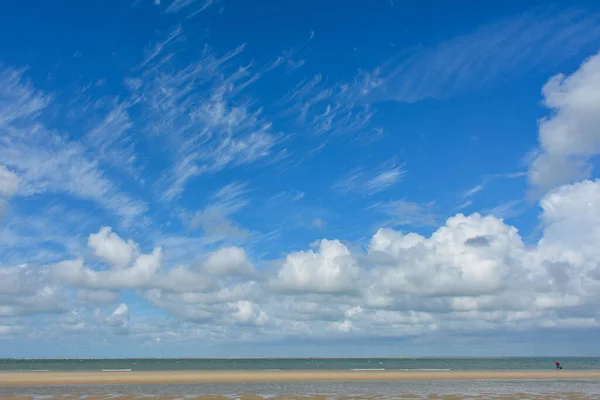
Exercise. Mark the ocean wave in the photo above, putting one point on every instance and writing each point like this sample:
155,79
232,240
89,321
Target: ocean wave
425,369
367,369
117,370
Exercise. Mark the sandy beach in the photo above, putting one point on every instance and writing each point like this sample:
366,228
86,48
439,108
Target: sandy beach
144,377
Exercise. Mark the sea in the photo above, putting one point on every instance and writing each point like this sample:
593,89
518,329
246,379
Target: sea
257,364
584,389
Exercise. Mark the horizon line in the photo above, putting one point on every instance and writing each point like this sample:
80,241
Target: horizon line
289,358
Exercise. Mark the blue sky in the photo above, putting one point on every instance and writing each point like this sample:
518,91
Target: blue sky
219,177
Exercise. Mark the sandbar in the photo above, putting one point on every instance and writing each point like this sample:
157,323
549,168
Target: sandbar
166,377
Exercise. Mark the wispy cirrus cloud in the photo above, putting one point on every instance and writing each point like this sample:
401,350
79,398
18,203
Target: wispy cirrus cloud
407,213
330,109
289,195
155,50
370,182
201,114
48,233
45,160
384,179
487,179
289,57
506,210
474,190
18,98
215,219
180,5
533,41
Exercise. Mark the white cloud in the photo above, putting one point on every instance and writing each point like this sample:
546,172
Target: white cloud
215,218
228,261
132,269
570,137
370,183
97,296
10,330
345,326
198,113
320,108
178,5
506,210
19,100
111,248
45,160
465,204
119,319
330,270
9,182
384,180
472,274
154,51
26,290
446,264
474,190
570,219
317,223
249,313
406,213
137,275
493,53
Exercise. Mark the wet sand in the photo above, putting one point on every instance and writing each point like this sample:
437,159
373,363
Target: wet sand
171,377
516,396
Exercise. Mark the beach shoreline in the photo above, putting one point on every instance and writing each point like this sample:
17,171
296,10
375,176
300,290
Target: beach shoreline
171,377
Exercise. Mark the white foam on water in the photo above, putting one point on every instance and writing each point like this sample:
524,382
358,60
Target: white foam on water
367,369
117,370
425,369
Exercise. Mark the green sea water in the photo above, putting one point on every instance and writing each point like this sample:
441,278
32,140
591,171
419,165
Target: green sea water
408,363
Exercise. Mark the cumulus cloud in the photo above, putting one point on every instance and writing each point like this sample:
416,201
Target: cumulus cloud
119,319
111,248
229,261
248,312
26,290
97,296
444,264
472,274
570,137
469,273
331,269
139,274
130,268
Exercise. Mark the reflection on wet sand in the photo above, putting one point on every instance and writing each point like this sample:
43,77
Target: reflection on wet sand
516,396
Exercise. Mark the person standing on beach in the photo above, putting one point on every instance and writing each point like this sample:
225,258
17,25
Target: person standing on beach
558,366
